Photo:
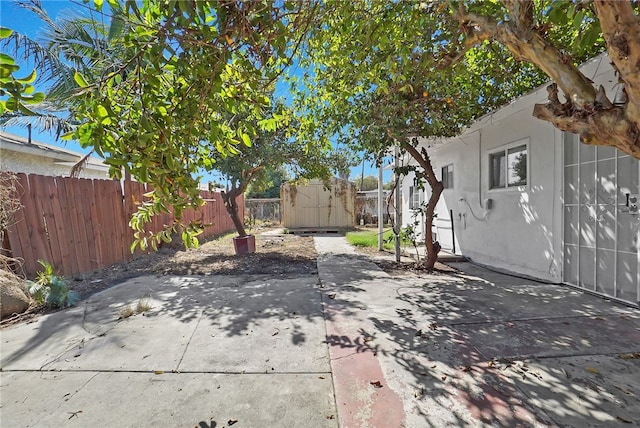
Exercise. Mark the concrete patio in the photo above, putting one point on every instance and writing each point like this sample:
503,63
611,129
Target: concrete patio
351,347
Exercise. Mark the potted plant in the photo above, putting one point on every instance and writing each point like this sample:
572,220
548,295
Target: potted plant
270,148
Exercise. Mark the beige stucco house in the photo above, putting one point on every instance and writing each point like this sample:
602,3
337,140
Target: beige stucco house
19,154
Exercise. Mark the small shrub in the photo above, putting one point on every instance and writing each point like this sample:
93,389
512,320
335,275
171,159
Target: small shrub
143,306
126,312
129,311
51,289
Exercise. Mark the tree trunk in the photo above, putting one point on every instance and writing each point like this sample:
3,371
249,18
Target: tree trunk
229,199
433,248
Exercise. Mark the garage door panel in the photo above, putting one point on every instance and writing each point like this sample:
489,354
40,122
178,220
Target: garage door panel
600,235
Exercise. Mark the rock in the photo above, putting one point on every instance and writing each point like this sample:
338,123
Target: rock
13,299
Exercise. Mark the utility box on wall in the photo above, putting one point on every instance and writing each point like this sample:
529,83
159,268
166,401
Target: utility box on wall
313,206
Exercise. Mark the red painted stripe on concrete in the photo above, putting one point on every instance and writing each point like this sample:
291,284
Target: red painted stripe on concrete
355,366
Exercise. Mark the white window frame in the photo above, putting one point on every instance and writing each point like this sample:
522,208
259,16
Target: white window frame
505,151
445,183
413,192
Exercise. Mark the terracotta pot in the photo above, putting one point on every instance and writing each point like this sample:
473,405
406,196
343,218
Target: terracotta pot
244,244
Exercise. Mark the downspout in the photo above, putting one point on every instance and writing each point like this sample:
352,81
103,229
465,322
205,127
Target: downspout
480,168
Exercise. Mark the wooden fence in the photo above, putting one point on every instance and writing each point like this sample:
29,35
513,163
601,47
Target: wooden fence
80,225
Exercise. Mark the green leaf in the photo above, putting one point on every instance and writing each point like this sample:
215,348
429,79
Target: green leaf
101,111
11,104
98,4
246,140
80,80
68,135
5,32
36,98
578,18
26,111
6,59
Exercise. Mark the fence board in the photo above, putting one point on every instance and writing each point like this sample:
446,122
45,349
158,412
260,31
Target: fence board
98,234
42,190
120,221
61,217
19,232
67,226
101,226
79,225
80,233
86,200
42,210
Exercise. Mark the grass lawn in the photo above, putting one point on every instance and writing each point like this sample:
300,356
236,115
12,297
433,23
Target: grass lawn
369,238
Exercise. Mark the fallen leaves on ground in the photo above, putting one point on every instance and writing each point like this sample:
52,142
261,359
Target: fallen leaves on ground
633,356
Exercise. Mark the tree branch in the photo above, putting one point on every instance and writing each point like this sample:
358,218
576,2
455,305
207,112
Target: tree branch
527,44
621,31
520,11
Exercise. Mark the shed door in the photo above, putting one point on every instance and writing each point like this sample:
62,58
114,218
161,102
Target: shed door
309,216
600,226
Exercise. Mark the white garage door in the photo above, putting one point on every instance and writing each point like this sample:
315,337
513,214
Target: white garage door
600,222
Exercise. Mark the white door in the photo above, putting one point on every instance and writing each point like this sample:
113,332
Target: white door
600,223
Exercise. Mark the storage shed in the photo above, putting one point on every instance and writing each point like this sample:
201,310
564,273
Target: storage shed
313,206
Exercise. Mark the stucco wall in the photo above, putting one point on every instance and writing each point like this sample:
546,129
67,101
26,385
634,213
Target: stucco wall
30,164
522,231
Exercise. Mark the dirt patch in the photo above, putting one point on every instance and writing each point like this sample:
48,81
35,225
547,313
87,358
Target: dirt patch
275,254
280,255
407,267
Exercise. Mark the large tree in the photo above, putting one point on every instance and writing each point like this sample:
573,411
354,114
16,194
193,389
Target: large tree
374,82
272,148
189,81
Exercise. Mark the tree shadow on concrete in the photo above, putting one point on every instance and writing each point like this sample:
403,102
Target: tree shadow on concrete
509,352
289,306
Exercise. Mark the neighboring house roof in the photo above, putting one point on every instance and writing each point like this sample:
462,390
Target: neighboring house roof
59,155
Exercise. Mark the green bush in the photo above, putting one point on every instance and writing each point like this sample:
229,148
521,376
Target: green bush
52,290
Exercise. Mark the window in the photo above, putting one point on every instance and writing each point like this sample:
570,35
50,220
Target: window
447,176
508,167
415,198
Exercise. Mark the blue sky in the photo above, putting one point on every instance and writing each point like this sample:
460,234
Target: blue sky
23,21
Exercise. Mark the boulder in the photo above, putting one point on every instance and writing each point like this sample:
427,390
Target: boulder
13,299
